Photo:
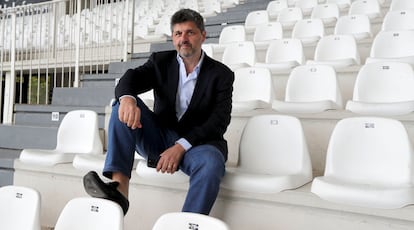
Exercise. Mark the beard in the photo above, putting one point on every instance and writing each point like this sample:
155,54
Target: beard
186,50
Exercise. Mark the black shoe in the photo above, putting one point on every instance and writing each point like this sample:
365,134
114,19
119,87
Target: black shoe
95,187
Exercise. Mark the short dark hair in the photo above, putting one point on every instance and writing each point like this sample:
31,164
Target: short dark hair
185,15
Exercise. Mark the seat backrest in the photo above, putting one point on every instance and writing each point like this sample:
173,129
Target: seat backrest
399,20
371,8
308,83
274,144
358,26
19,208
401,5
342,4
79,133
239,53
268,32
274,7
255,18
92,214
187,220
337,47
282,50
384,82
328,12
233,33
252,83
370,150
306,5
289,16
308,29
393,44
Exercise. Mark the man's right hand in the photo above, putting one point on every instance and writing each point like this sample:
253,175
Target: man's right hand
129,113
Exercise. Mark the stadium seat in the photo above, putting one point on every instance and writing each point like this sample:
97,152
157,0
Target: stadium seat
371,8
283,55
398,20
19,208
274,7
306,6
252,89
368,164
255,18
187,220
289,16
90,213
229,34
393,46
310,89
239,54
340,51
358,26
309,31
343,5
273,156
152,175
328,13
401,5
383,89
78,133
266,33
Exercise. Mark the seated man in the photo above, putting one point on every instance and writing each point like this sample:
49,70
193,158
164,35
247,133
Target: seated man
192,109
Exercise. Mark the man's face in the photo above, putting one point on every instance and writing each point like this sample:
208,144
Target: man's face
187,39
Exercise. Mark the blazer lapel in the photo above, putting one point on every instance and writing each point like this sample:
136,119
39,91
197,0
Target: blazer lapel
172,81
202,82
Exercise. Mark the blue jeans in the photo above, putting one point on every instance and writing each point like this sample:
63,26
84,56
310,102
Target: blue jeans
205,164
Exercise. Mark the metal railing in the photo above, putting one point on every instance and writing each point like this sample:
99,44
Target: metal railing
50,44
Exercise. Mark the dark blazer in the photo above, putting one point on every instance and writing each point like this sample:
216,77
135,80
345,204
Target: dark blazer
209,111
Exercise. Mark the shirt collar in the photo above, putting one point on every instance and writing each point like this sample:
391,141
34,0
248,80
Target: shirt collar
197,68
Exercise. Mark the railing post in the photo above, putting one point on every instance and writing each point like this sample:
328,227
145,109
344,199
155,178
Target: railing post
129,3
10,83
78,36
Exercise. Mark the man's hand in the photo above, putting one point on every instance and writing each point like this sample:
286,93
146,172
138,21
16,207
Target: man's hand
129,113
170,159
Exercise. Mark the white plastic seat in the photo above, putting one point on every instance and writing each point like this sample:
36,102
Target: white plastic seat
383,88
306,5
274,7
401,5
393,46
187,220
78,133
310,89
152,175
228,35
90,213
371,8
358,26
328,13
343,5
309,31
255,18
252,89
232,33
289,16
340,51
398,20
273,156
239,54
19,208
368,164
283,55
266,33
89,162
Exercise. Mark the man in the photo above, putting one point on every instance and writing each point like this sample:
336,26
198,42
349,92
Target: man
192,108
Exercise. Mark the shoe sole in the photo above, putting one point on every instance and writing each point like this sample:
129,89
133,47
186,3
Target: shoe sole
95,187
